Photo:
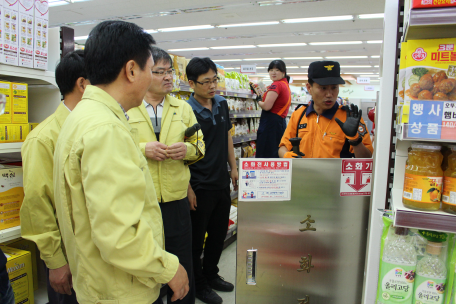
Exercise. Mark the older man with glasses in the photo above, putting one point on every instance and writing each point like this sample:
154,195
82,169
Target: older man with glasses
161,121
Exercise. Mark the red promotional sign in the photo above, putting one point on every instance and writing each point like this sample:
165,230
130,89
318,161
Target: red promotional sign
432,3
265,165
356,177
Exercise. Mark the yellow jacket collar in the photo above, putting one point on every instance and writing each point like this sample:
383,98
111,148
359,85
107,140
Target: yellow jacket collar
61,114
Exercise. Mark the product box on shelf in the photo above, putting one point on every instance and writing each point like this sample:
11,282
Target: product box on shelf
40,50
19,269
11,194
221,85
432,3
30,246
26,18
5,89
19,109
10,31
13,132
431,89
32,126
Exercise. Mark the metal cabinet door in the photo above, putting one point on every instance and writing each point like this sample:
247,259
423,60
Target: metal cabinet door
337,247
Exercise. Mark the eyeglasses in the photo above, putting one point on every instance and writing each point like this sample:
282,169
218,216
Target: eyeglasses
164,73
208,83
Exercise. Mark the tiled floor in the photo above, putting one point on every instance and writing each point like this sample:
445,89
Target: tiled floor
227,268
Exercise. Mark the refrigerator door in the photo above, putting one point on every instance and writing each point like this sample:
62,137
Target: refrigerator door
279,263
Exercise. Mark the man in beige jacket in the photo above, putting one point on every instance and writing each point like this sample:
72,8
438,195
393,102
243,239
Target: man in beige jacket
109,218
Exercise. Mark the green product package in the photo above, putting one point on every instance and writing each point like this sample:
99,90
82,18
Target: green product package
429,290
451,287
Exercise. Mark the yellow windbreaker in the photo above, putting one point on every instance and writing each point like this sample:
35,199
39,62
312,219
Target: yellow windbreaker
109,217
38,221
171,177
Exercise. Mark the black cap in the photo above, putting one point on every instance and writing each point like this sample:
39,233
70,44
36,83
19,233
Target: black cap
325,72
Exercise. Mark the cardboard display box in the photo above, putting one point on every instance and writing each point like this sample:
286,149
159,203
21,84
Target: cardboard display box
19,267
11,195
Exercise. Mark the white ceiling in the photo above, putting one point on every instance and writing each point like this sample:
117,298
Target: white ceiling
83,16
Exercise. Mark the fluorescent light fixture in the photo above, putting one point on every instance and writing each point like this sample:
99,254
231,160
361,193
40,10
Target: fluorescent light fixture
151,31
335,42
293,67
298,73
377,56
375,41
58,2
355,66
261,68
346,57
81,37
376,76
190,49
186,28
226,60
302,58
371,16
249,24
282,44
364,73
257,59
232,68
304,67
233,47
376,66
375,80
319,19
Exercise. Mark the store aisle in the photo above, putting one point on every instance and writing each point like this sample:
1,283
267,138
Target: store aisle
227,267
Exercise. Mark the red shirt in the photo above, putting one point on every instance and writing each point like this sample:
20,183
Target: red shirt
283,101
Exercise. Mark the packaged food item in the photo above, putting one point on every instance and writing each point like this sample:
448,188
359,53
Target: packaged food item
40,53
401,86
11,196
26,18
182,63
446,151
423,177
13,132
5,89
19,266
221,84
253,145
397,265
33,125
233,128
10,32
19,109
177,71
252,126
449,184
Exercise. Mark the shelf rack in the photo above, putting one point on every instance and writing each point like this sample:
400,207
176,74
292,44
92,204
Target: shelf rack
186,88
10,234
245,138
431,23
246,114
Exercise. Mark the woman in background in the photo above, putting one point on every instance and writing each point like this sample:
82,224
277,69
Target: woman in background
276,103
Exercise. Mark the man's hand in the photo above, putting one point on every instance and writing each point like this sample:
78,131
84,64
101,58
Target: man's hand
177,151
179,284
156,150
61,280
290,154
191,198
351,125
234,178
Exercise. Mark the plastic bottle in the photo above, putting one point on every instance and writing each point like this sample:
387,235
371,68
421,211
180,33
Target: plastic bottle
423,177
397,273
449,184
431,272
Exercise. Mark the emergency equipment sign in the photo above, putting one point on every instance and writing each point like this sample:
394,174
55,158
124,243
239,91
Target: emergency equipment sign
356,177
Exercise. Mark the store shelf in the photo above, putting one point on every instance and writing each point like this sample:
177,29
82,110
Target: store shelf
31,76
431,23
10,147
186,88
402,134
426,220
245,138
246,114
10,234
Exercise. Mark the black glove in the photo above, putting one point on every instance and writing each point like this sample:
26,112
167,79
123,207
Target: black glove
351,125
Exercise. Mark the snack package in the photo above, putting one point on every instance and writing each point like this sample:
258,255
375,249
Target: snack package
253,145
182,63
252,126
233,128
221,84
401,85
177,71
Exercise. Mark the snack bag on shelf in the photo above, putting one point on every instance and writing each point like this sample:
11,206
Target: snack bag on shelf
182,63
176,81
253,145
221,84
233,128
177,71
252,126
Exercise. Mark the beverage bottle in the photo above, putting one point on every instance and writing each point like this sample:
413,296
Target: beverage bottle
449,184
397,273
431,275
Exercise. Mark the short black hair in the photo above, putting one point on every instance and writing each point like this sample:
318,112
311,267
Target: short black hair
280,65
310,81
199,66
111,44
68,70
161,55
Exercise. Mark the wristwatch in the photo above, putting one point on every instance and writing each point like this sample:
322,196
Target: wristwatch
356,142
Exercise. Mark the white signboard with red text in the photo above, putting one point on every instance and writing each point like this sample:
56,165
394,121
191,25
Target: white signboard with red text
356,177
264,179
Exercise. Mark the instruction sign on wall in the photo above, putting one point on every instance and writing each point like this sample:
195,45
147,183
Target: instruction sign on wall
265,180
356,179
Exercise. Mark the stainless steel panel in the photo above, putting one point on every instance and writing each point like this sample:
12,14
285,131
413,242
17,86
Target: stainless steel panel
336,249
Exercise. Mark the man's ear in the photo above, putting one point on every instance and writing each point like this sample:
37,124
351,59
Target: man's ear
191,84
131,72
309,87
81,84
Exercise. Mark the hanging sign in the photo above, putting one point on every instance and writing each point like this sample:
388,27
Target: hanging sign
363,80
248,69
356,177
369,88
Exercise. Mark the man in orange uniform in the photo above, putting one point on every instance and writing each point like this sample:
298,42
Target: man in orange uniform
326,129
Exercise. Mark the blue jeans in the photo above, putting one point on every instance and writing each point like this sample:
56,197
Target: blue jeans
8,297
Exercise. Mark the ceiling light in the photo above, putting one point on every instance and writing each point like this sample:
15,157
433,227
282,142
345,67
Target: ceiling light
319,19
186,28
261,68
191,49
298,73
233,47
375,80
58,2
249,24
336,42
355,66
231,68
376,66
371,16
357,73
375,41
346,57
302,58
304,67
226,60
255,59
376,76
81,37
282,44
375,56
151,31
